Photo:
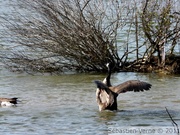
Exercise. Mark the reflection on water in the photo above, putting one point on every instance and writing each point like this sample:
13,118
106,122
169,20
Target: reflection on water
65,104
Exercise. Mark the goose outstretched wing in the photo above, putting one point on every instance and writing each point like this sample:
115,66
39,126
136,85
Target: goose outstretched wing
132,85
101,85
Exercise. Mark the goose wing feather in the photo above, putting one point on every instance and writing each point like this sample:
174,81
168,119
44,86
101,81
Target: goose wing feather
101,85
132,85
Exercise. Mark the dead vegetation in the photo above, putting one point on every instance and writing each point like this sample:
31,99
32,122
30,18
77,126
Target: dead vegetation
77,35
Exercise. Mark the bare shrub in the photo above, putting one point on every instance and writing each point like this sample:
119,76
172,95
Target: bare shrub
59,35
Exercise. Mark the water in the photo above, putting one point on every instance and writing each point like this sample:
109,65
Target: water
65,104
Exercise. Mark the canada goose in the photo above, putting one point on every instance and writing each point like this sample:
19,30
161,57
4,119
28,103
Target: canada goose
106,95
8,101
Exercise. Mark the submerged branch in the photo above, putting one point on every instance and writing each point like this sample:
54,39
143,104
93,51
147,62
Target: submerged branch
173,122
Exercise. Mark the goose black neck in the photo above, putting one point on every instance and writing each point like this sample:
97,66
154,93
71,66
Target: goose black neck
108,76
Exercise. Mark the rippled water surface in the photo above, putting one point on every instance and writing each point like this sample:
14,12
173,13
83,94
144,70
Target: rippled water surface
65,104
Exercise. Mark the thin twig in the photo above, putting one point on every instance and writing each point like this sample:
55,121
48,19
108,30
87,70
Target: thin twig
173,122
